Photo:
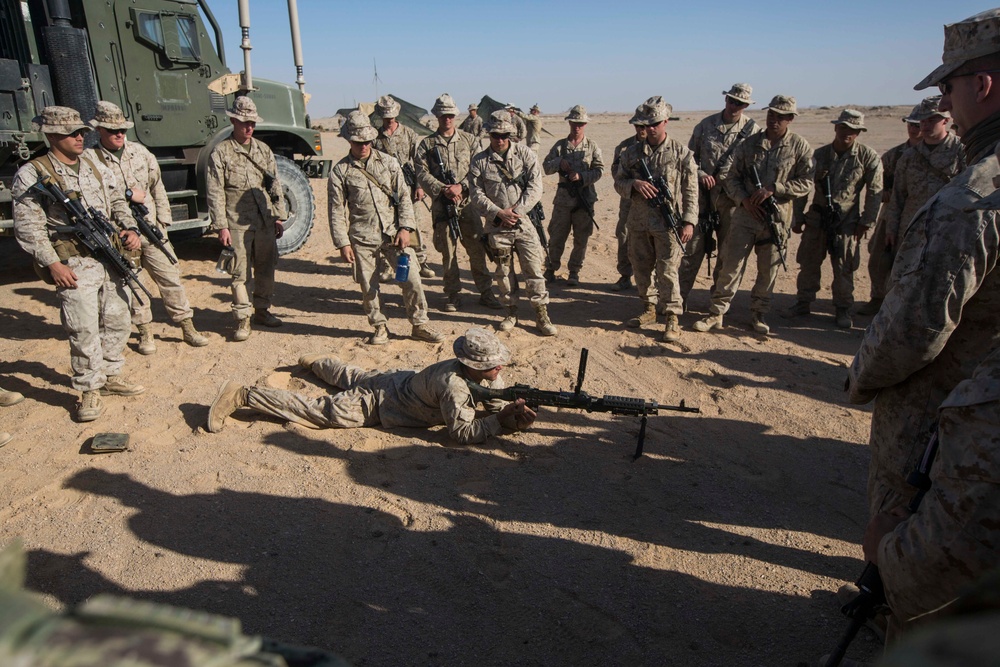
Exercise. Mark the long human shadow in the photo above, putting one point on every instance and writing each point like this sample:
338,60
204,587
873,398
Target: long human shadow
369,583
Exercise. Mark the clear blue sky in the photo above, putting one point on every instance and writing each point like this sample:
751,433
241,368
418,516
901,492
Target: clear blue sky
607,55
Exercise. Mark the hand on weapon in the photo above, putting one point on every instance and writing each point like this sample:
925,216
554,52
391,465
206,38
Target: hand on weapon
151,232
508,218
578,191
452,196
663,201
517,415
771,215
830,219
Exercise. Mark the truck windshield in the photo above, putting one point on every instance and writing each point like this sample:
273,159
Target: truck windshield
176,35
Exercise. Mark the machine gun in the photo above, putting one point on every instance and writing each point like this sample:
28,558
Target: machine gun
872,595
451,210
772,217
95,232
663,201
580,193
151,232
829,217
579,400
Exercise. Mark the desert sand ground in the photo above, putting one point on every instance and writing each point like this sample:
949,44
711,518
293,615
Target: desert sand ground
723,545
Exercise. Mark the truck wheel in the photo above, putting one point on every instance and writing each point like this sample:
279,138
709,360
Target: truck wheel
300,203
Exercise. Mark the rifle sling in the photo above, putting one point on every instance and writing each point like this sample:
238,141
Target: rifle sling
940,173
745,132
66,244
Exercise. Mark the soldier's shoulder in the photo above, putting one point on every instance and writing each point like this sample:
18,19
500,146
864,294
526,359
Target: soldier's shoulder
976,180
710,120
799,142
867,154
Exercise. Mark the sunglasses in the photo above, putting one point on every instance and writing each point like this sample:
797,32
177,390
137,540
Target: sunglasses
736,103
505,135
946,86
118,131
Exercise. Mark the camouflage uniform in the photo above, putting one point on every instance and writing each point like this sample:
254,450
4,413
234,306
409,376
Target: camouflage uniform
567,212
654,252
402,145
363,216
473,126
953,538
879,258
788,164
457,151
623,265
96,313
711,139
239,202
137,168
935,324
532,131
858,167
921,171
520,132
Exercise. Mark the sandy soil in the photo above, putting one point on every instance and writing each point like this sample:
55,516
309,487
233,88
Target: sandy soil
723,545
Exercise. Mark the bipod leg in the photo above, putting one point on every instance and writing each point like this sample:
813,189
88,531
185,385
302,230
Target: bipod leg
852,630
641,439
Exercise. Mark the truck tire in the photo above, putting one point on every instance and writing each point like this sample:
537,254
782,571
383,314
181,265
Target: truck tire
301,205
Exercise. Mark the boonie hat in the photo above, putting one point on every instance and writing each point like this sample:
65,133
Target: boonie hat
387,107
634,120
966,40
913,112
500,123
59,120
244,109
784,105
653,111
534,107
928,107
110,117
852,119
740,92
578,114
481,349
473,107
358,127
444,106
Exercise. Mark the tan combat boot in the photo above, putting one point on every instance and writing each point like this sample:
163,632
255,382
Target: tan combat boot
510,321
231,397
712,322
115,385
426,333
146,343
647,316
759,325
191,335
242,330
380,337
5,438
9,398
542,321
91,406
672,332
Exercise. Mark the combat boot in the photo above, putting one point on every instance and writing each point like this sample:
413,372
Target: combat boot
759,325
264,316
550,276
843,318
647,316
574,279
5,438
425,333
486,298
426,271
116,386
191,335
452,303
380,337
712,322
672,332
146,343
510,321
869,308
242,330
624,283
9,398
231,397
542,321
800,309
91,406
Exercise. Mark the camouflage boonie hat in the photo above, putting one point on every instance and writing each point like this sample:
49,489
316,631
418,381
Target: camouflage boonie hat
59,120
534,107
740,92
387,107
634,120
913,112
358,128
653,111
500,123
444,106
784,105
110,117
928,107
966,40
578,114
852,119
473,107
245,110
481,349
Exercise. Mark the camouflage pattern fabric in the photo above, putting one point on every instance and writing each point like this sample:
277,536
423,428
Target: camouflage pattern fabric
953,538
473,126
567,213
457,151
624,265
935,324
532,128
360,211
401,144
879,258
920,172
393,399
520,129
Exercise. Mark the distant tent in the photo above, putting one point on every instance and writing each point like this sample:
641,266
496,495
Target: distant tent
409,115
488,105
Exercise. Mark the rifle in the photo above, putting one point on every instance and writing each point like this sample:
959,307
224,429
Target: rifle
410,178
772,215
663,201
536,214
709,226
579,400
95,231
872,595
451,210
829,218
151,232
578,191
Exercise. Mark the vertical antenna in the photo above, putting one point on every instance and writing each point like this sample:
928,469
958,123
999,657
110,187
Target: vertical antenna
375,80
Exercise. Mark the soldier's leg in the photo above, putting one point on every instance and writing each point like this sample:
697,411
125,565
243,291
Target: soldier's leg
142,313
642,256
472,229
583,227
503,247
79,310
846,261
348,409
336,373
880,261
167,277
810,256
413,290
113,300
691,262
733,256
624,264
370,263
668,262
725,223
531,255
265,261
242,249
448,249
768,264
559,228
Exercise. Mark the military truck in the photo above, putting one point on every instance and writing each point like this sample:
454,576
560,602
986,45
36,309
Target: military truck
157,61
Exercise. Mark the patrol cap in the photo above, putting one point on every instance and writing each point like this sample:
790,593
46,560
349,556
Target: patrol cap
245,110
740,92
60,120
387,107
966,40
928,107
852,119
784,105
110,117
500,123
444,106
481,349
358,127
653,111
578,114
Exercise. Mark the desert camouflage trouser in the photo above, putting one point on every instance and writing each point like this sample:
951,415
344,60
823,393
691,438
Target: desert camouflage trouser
167,277
371,262
656,258
691,262
746,235
471,226
564,220
624,265
845,261
256,258
880,261
96,317
522,241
